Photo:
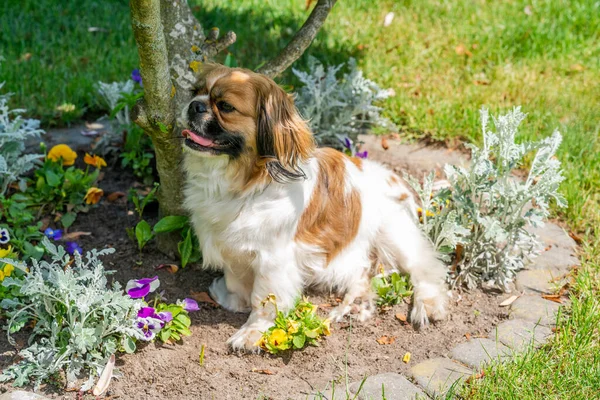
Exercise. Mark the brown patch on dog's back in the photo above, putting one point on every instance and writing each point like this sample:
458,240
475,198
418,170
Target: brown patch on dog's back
333,215
358,162
393,180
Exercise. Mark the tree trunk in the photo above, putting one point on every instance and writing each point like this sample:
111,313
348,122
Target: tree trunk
172,46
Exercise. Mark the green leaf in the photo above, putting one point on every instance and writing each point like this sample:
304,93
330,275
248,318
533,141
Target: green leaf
184,319
299,341
185,249
165,334
68,219
52,178
230,61
143,233
129,345
170,223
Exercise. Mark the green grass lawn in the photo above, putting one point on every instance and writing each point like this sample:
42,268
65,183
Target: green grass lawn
444,60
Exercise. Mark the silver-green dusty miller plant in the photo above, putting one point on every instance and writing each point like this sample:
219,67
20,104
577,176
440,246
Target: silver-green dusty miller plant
79,319
481,217
339,108
14,131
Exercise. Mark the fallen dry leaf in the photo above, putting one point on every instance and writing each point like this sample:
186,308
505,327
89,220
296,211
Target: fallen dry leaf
576,237
384,143
105,376
94,126
263,371
386,339
481,82
462,50
203,297
114,196
577,67
406,358
45,223
389,17
401,317
171,268
508,301
557,298
72,236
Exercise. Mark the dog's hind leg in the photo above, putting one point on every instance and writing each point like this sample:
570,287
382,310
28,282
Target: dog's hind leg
401,243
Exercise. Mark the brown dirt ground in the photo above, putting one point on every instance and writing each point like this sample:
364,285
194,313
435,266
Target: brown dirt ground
174,371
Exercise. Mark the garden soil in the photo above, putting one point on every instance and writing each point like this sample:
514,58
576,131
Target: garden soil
174,371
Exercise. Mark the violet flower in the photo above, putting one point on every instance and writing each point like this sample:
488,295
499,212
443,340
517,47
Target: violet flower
73,247
165,316
139,288
4,236
136,76
362,154
188,304
148,327
347,142
54,234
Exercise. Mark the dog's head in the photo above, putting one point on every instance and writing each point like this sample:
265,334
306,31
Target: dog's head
249,119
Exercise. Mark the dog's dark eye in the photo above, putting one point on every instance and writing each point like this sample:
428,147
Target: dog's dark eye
225,107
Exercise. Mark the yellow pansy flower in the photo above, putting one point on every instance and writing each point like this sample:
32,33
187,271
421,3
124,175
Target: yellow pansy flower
293,326
1,275
8,269
278,339
66,107
93,195
326,327
94,160
64,152
4,253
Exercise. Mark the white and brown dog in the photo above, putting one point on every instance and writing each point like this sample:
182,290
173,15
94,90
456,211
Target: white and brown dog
278,215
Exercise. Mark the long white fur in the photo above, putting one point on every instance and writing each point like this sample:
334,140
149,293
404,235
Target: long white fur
251,238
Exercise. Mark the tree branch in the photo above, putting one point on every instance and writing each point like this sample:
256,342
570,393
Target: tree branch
213,45
152,50
301,40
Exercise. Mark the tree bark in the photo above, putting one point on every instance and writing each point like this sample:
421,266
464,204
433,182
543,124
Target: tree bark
171,47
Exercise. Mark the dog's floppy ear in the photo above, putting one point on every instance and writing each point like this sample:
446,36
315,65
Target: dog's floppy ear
283,139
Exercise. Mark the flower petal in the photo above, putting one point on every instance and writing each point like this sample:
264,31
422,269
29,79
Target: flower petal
145,281
138,292
190,305
165,316
146,312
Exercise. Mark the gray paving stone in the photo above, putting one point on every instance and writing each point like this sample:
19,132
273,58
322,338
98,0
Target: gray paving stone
395,387
538,281
534,308
519,334
554,235
559,260
21,395
477,352
437,375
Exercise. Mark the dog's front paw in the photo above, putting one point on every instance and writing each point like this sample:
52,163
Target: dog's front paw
246,339
229,301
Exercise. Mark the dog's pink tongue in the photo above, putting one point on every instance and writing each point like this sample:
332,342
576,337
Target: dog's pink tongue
198,139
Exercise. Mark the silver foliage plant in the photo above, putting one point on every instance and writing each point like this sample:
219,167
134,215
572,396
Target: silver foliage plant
339,108
14,131
80,320
482,215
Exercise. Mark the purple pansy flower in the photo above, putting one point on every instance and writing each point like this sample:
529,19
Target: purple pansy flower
150,312
362,154
148,327
54,234
139,288
347,143
4,236
136,76
188,304
165,316
73,247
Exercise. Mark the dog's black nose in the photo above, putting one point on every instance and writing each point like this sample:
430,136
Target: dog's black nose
198,107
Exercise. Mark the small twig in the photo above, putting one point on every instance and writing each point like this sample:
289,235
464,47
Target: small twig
213,45
301,40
